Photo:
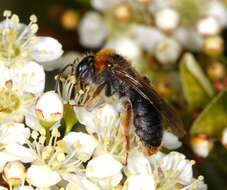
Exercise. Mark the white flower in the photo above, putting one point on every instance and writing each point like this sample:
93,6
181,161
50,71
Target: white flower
201,145
82,142
12,138
21,44
125,46
92,30
59,159
168,51
208,26
49,108
167,19
104,170
29,77
14,173
42,176
104,122
147,37
168,171
170,141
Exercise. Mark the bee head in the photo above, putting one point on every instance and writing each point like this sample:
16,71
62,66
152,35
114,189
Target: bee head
85,70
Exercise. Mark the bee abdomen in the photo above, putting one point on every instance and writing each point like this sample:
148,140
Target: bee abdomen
147,121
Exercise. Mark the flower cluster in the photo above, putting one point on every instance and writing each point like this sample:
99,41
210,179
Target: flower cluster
39,149
162,28
94,159
22,75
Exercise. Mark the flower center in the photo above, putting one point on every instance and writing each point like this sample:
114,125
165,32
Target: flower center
9,102
14,37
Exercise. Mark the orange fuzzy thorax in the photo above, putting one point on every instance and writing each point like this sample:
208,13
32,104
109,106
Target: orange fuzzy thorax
102,58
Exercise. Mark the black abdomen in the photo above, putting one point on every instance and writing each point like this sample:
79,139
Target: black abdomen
147,121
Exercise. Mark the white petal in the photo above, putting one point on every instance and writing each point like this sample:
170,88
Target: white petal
3,188
218,10
104,5
35,76
170,141
140,182
5,157
107,182
21,153
208,26
126,47
42,176
14,133
138,164
147,37
61,62
155,159
86,118
46,49
167,19
175,161
83,143
189,38
92,30
103,166
79,183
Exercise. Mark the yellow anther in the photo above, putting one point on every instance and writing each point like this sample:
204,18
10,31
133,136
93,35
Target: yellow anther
34,134
7,13
61,157
55,133
15,18
33,18
42,139
200,178
34,28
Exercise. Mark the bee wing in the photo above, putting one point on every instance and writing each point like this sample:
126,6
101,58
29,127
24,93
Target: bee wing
146,91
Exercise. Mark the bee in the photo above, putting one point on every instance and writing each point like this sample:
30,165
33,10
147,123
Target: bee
113,75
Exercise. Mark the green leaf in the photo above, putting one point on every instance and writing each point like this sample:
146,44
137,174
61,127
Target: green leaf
70,118
197,88
213,119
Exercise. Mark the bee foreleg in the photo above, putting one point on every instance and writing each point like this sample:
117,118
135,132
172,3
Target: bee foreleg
95,100
126,118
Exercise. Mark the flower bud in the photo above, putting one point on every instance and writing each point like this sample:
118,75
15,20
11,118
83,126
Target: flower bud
49,109
224,138
14,173
168,51
201,145
213,45
70,19
123,13
216,70
167,19
208,26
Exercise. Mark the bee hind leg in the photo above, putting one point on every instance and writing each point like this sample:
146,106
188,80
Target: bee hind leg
126,122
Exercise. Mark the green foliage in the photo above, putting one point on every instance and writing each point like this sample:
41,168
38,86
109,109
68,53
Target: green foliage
197,88
213,119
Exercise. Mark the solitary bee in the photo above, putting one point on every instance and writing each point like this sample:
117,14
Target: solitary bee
112,74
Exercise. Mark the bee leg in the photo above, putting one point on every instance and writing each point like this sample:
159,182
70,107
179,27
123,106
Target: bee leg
95,97
126,118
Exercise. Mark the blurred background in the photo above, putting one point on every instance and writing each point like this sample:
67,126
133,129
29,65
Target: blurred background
178,44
